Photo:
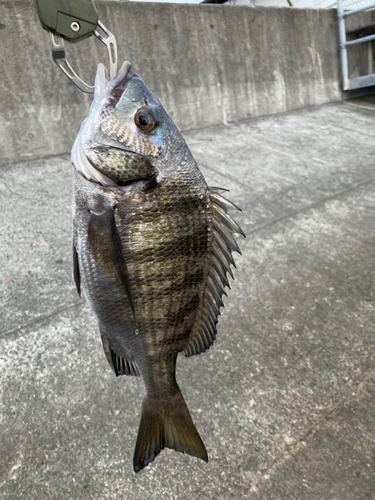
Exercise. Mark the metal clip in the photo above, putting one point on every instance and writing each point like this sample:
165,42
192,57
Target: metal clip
58,54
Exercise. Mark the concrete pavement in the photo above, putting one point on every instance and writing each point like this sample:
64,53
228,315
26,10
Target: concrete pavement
285,398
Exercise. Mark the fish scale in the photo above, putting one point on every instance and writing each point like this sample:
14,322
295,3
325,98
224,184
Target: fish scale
162,306
152,247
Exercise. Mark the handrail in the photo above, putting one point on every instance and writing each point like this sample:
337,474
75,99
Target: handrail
356,11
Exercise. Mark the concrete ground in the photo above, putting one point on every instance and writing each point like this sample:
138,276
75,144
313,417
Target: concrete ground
284,400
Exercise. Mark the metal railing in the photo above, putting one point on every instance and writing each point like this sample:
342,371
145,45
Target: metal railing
361,81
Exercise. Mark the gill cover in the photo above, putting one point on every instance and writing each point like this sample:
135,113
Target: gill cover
112,144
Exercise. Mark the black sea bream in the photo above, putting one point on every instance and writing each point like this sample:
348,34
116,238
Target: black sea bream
152,246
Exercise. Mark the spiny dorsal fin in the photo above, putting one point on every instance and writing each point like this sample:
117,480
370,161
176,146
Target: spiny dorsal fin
223,244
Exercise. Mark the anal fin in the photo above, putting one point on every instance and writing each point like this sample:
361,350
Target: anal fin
120,365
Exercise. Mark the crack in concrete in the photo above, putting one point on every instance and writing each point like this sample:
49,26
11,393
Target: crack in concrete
312,205
300,210
10,162
41,319
302,441
360,132
371,108
227,176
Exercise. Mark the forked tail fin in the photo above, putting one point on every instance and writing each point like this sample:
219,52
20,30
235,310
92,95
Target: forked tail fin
166,424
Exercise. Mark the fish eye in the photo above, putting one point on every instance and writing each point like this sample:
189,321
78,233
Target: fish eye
145,120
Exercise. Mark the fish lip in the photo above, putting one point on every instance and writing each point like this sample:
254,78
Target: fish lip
123,77
119,84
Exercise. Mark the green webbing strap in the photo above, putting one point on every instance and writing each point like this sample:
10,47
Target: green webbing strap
73,20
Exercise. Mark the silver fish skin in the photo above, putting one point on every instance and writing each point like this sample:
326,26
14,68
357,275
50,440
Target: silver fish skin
152,247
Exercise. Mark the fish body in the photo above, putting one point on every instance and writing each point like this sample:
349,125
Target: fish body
152,248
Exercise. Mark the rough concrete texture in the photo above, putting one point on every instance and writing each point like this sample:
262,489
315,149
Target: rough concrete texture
208,64
285,398
360,21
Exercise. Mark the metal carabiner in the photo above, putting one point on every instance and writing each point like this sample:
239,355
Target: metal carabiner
58,55
75,20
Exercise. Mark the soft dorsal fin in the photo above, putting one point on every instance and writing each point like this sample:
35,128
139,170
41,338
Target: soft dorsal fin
223,244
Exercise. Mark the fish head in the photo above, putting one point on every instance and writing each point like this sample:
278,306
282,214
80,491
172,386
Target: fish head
127,136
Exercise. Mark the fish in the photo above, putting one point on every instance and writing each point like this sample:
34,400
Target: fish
152,251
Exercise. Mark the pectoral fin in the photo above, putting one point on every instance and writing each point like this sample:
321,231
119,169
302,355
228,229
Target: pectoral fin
105,247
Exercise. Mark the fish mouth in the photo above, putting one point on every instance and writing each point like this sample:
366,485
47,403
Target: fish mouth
120,82
118,149
109,147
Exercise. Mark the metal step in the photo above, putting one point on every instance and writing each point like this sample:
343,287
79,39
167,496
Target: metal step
361,81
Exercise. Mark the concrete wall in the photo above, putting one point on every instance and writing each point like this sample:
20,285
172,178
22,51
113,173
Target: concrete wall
360,21
208,64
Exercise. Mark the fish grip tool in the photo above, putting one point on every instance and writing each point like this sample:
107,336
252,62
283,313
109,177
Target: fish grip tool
75,20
